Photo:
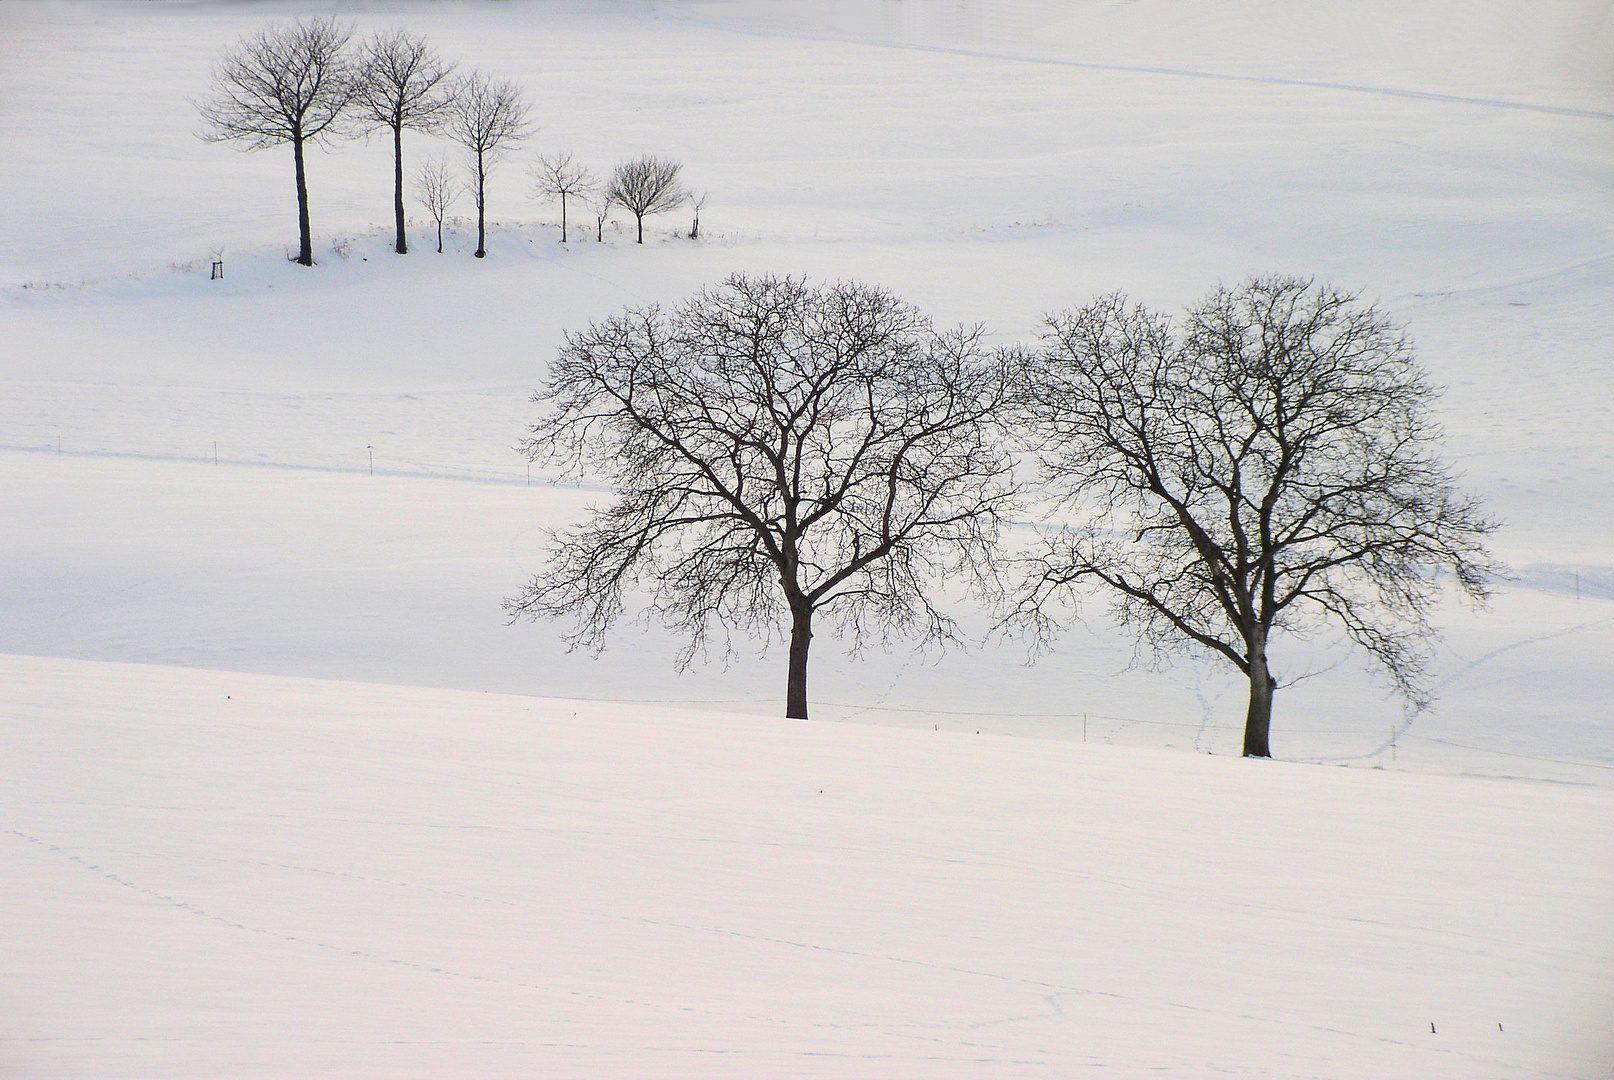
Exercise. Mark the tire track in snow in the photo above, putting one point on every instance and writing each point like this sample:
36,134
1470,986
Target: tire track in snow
1173,72
1474,292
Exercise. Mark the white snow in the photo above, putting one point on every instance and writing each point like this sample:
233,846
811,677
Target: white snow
234,875
354,877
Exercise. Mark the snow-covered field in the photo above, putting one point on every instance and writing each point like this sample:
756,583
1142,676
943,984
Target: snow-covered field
244,875
498,877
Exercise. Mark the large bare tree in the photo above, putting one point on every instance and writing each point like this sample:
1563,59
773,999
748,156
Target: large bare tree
557,176
647,185
405,84
1272,465
488,116
287,83
781,453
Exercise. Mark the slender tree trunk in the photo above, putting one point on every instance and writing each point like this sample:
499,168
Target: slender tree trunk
563,217
801,639
481,208
439,236
305,250
640,218
397,187
1258,721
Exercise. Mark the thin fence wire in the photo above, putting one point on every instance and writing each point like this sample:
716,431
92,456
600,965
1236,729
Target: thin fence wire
1506,753
1079,716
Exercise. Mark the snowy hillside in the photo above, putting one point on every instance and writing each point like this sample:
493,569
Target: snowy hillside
310,474
264,876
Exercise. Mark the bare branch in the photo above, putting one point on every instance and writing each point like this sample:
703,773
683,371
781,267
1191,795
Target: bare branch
405,84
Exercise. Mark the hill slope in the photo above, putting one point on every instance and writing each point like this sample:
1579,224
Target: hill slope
214,874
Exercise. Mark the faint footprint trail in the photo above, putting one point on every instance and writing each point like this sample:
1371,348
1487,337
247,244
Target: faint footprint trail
92,864
1172,72
1478,662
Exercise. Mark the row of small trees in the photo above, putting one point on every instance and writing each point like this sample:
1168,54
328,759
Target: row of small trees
304,83
785,455
644,186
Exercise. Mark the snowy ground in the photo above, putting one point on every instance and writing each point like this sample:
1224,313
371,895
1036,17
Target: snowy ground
263,876
186,472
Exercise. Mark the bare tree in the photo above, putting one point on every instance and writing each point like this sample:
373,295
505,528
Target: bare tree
647,185
436,187
780,452
598,202
559,177
487,117
1271,467
287,83
405,85
697,203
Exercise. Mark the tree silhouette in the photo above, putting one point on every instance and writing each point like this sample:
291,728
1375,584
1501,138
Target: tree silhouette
647,185
405,84
287,83
487,117
559,177
1272,466
781,454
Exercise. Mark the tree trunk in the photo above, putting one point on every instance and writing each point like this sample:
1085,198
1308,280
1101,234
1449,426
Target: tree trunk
640,218
563,217
801,638
439,236
481,209
1258,721
305,249
397,187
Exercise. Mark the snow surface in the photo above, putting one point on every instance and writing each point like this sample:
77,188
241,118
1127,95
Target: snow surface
215,874
310,473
